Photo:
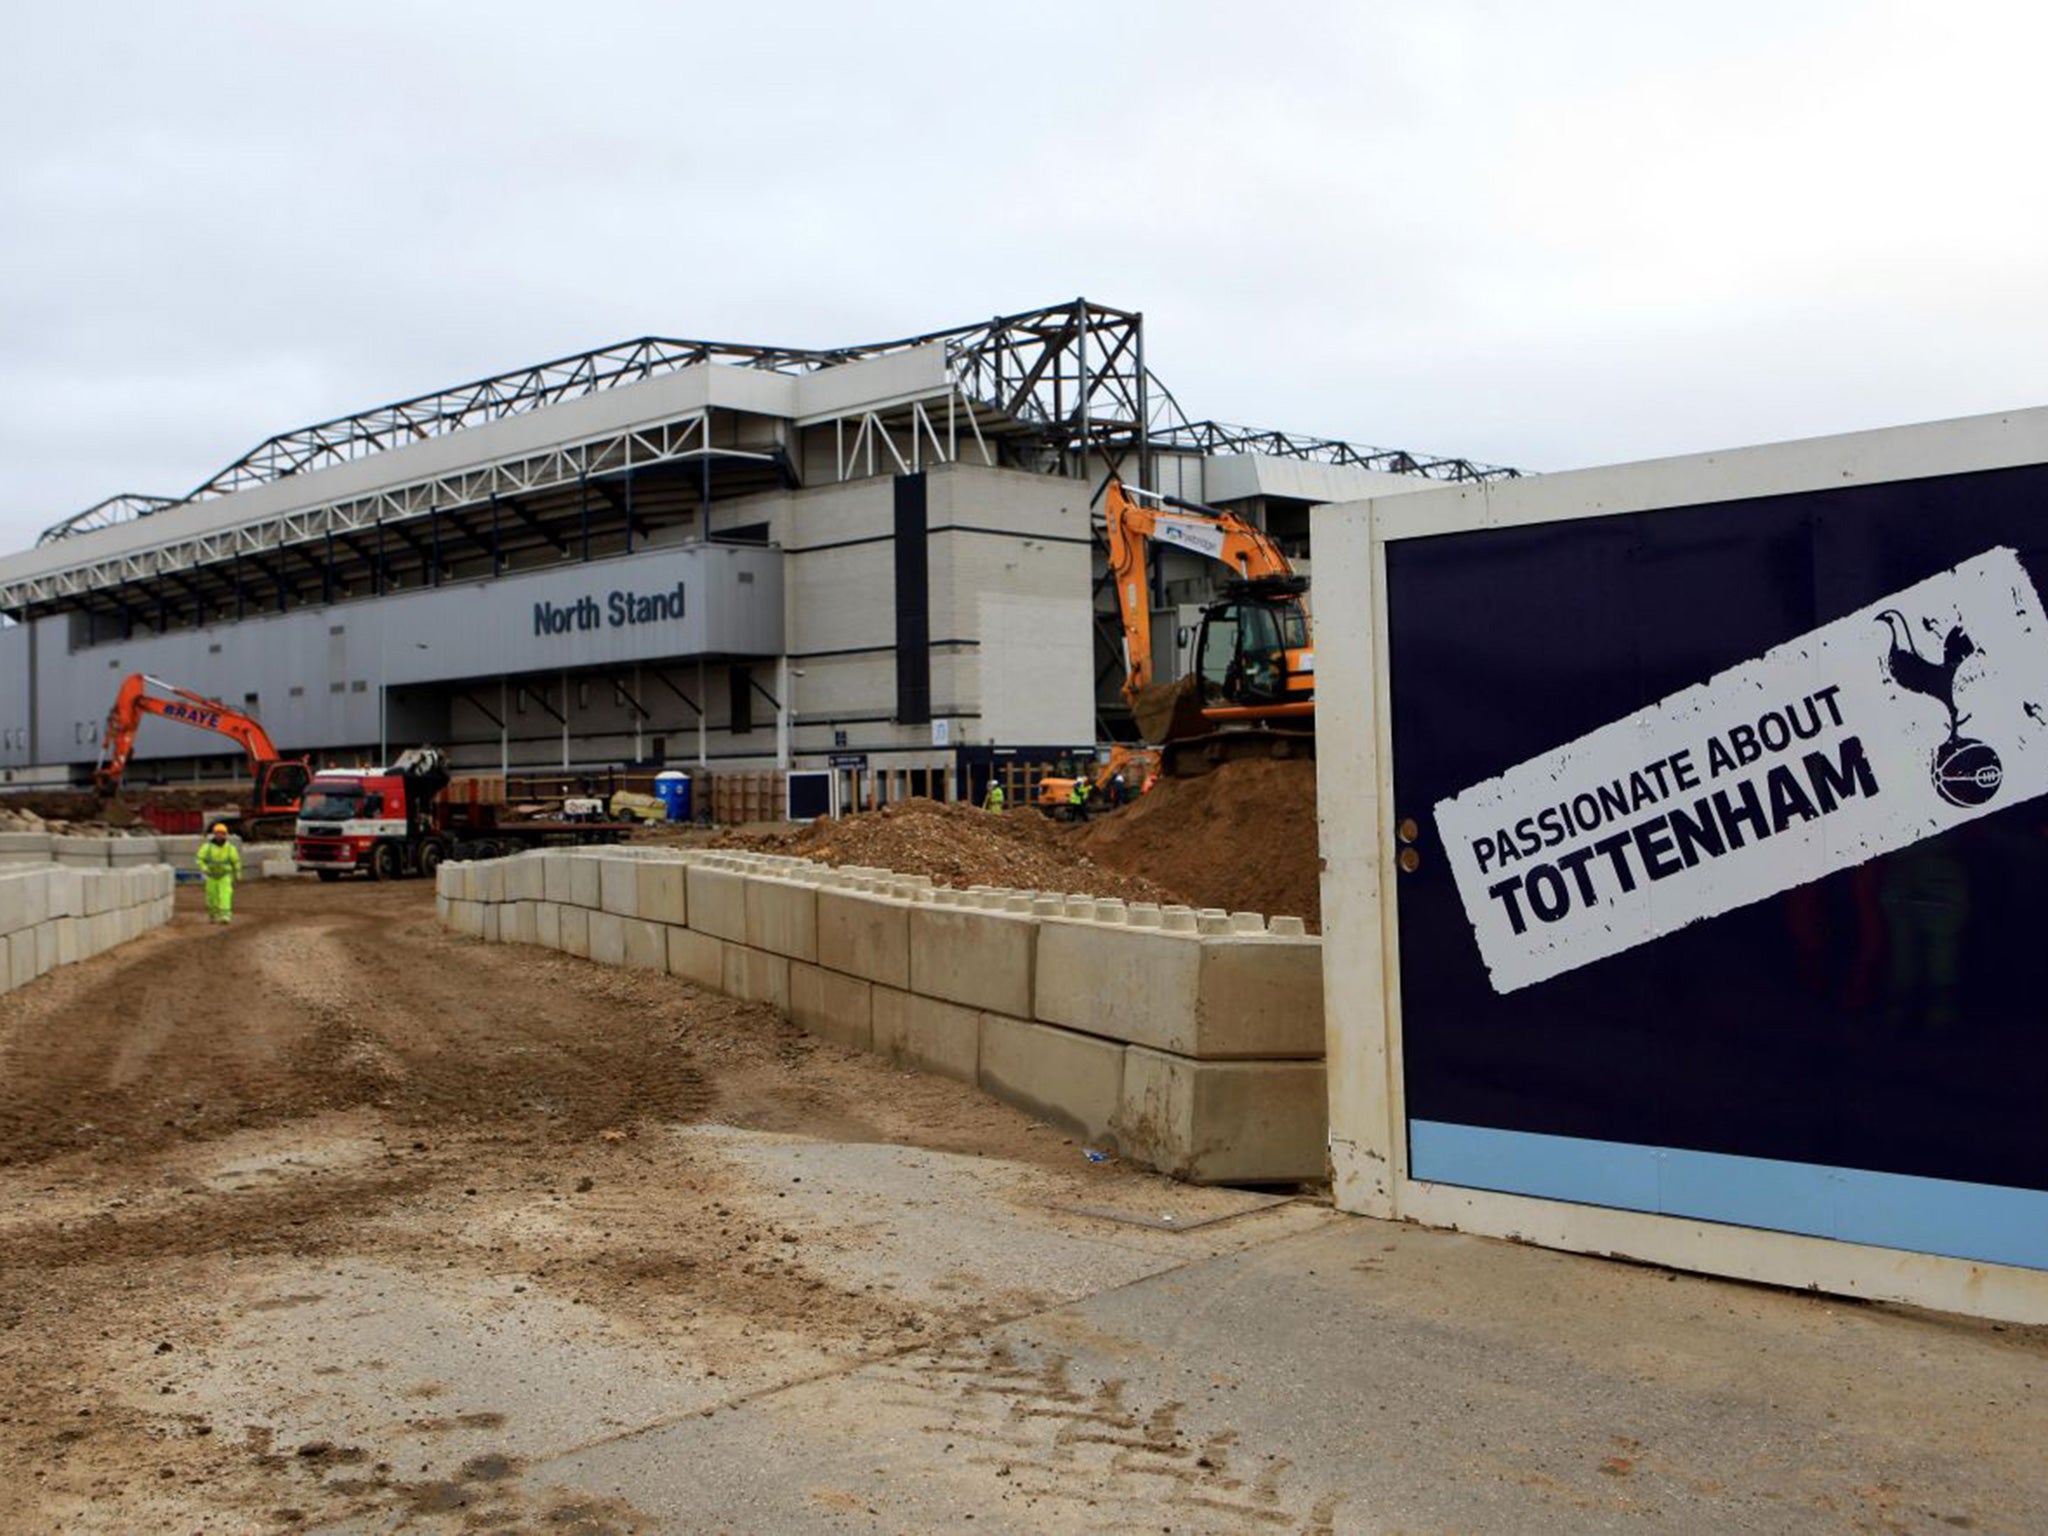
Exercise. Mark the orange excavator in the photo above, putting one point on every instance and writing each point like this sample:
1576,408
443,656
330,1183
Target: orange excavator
280,783
1138,767
1253,685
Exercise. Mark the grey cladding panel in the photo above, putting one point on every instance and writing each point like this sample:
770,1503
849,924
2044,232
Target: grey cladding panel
316,673
14,697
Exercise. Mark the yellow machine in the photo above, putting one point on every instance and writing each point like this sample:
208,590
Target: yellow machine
1253,682
1055,794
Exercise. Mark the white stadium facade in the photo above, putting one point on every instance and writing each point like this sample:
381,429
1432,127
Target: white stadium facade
666,553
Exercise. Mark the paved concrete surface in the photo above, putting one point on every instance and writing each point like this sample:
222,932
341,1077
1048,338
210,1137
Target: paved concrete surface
1286,1369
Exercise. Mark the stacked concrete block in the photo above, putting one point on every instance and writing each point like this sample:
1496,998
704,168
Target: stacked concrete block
979,956
524,877
1222,1122
697,957
755,976
576,932
1191,1040
179,852
1215,996
75,852
926,1033
1060,1075
132,852
782,917
832,1006
52,915
24,847
717,899
618,886
664,892
865,933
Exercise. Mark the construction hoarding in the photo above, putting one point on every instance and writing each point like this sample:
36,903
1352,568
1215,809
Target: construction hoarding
1696,890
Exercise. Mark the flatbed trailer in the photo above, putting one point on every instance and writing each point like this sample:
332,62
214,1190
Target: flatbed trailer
390,823
496,841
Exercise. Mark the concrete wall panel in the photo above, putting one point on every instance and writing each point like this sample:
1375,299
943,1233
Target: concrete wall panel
697,957
663,897
718,903
619,886
1071,1080
782,918
755,976
864,935
925,1033
831,1006
976,958
1223,1122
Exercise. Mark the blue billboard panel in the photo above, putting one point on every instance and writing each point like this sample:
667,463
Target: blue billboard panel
1733,837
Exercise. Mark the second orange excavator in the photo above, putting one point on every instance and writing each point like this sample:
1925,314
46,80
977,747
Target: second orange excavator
1252,684
279,782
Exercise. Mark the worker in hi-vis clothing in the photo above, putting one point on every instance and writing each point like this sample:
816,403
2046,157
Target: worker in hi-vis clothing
994,799
221,862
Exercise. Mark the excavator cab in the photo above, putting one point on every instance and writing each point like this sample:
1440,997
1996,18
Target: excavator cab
280,786
1252,649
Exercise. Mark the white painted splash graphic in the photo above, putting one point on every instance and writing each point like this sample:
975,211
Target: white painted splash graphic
1921,712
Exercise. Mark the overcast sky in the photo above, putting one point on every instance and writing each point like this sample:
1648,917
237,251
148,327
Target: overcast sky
1542,235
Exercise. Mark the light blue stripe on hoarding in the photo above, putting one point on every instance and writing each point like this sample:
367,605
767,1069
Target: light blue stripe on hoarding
1987,1222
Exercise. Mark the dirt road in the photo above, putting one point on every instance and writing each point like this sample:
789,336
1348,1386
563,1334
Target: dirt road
333,1221
334,1088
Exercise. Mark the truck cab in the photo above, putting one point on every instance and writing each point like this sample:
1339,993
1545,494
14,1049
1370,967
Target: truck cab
376,820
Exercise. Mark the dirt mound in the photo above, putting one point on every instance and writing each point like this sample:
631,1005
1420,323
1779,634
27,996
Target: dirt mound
960,846
1242,838
84,810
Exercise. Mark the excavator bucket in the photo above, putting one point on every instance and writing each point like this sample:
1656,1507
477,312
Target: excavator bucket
1170,712
1192,742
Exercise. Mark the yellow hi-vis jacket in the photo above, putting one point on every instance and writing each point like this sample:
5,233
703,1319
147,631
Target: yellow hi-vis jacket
219,861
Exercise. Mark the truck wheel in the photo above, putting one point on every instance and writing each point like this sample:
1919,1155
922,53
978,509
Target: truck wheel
385,863
432,852
328,876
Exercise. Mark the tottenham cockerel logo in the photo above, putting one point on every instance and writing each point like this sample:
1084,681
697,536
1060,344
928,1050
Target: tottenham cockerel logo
1965,771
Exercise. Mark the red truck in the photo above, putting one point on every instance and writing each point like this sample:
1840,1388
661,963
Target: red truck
390,822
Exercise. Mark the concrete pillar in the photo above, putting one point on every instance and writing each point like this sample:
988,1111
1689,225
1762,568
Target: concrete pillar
565,722
703,714
504,729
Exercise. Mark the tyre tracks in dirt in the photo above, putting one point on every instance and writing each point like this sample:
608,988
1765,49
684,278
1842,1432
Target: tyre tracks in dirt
239,1167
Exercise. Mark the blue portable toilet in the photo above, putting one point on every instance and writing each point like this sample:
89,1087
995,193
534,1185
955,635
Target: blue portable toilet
672,789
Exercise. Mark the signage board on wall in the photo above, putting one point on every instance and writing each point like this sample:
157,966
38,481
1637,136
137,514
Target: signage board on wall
1730,839
1921,711
619,608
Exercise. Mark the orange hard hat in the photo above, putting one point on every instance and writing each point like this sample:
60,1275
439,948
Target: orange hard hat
221,827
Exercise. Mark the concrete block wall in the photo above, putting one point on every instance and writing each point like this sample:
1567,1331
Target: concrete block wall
1190,1040
52,915
73,851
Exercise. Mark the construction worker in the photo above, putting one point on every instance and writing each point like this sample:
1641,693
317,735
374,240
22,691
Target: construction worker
220,861
1077,798
993,801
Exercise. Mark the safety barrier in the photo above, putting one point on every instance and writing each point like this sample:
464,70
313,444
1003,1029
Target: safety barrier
73,851
51,915
1191,1041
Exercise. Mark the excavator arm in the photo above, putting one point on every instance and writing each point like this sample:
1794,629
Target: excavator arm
1219,535
135,701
